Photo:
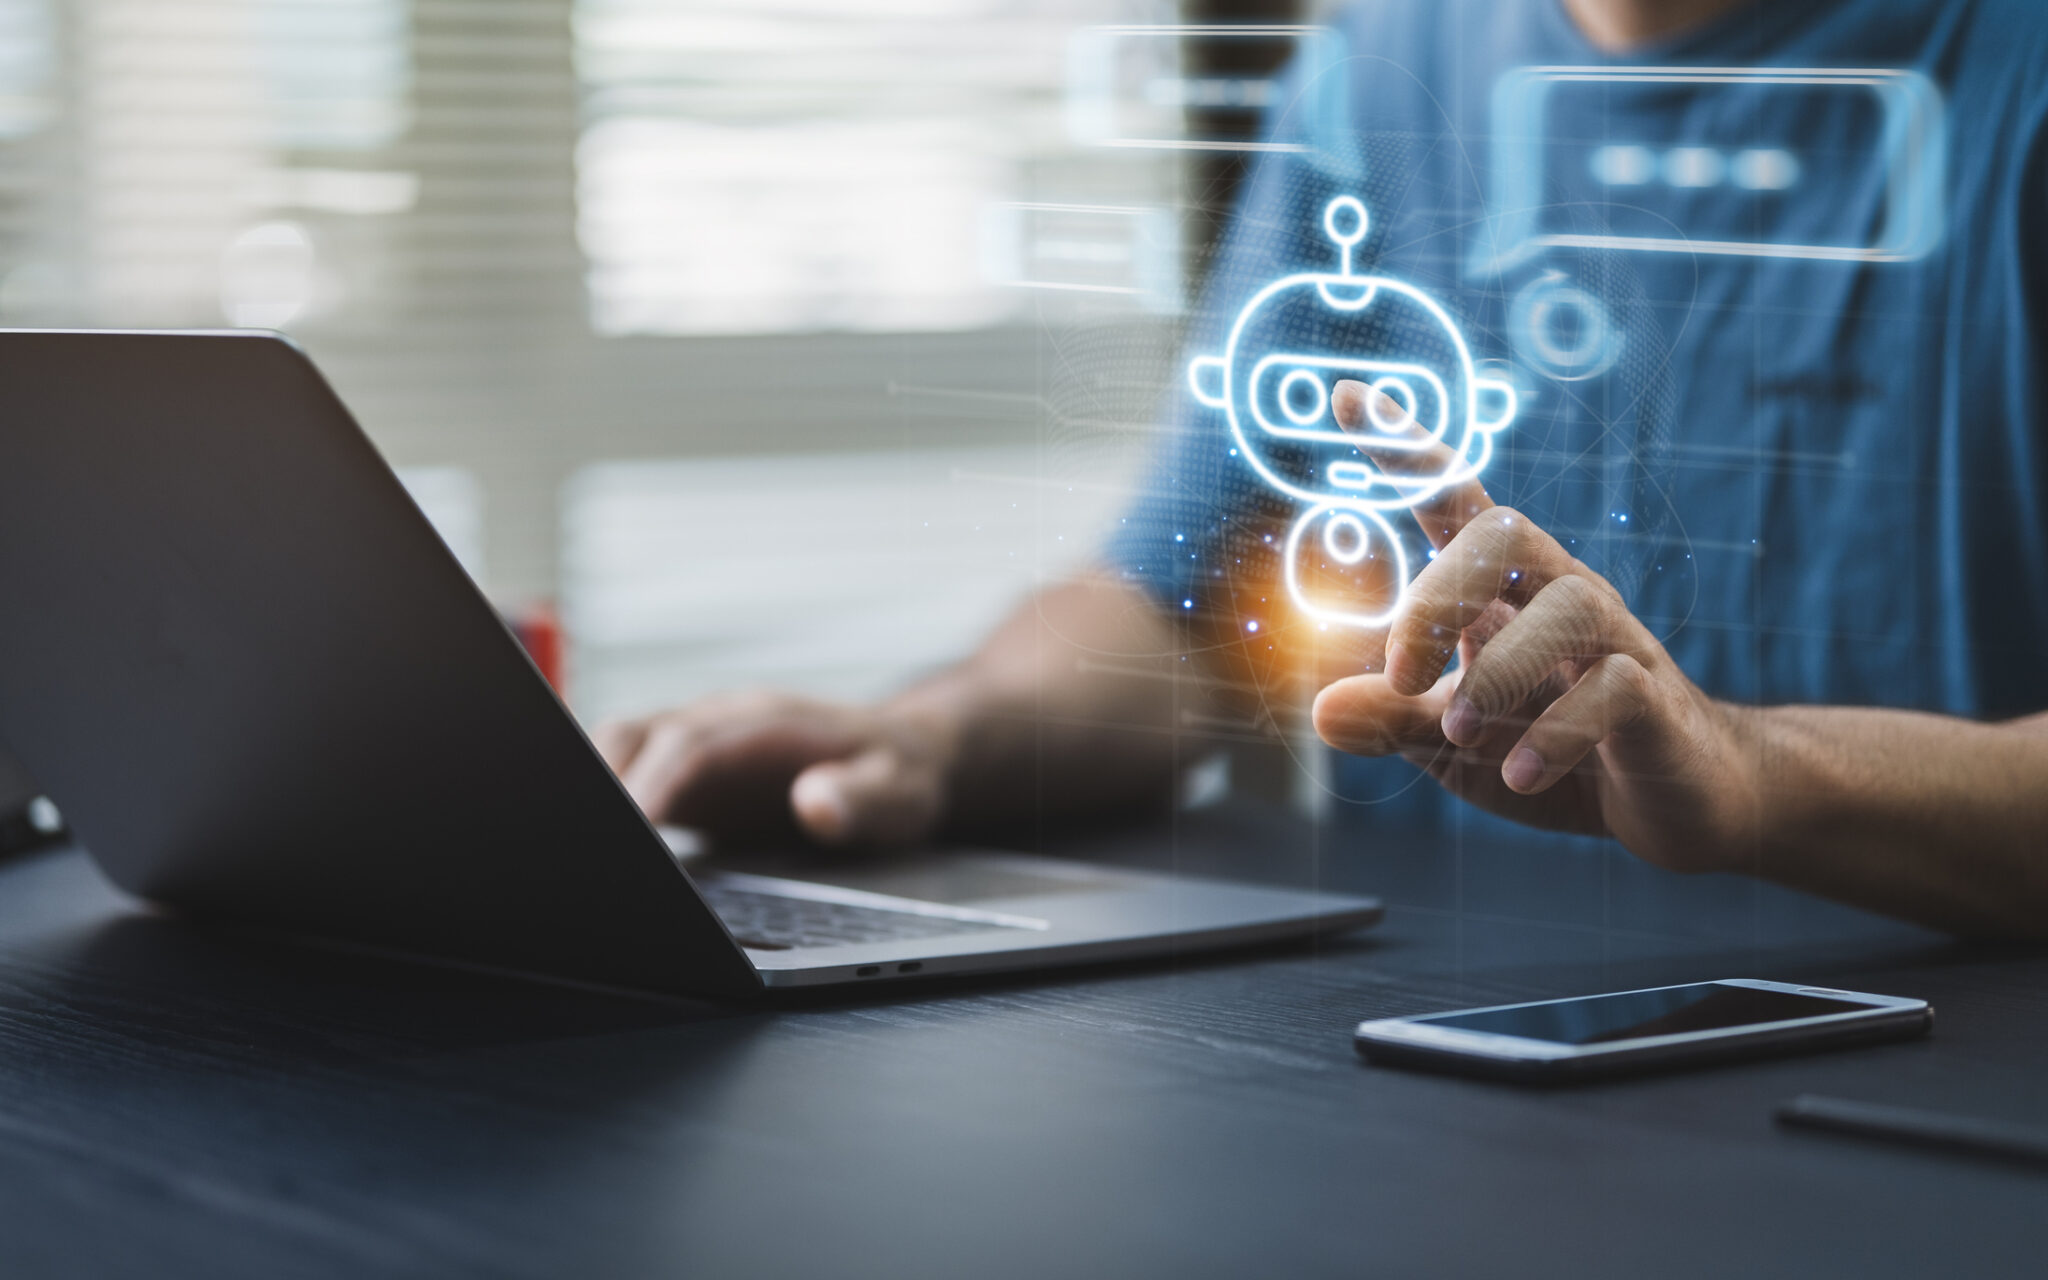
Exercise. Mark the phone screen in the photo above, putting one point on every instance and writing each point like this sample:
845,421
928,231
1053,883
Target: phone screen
1705,1006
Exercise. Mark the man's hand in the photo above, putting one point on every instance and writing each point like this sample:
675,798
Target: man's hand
1060,715
746,765
1564,711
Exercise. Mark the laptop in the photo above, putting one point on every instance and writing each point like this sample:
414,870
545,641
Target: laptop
262,691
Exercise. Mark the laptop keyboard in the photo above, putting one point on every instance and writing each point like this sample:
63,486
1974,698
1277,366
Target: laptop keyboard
768,921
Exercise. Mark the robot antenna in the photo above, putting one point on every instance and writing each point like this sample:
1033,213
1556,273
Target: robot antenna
1345,220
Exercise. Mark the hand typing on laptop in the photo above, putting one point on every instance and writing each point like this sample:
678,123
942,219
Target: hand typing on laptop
1024,727
749,764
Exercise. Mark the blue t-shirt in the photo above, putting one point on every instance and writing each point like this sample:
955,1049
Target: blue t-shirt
1776,314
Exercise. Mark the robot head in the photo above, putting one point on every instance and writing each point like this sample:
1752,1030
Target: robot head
1302,334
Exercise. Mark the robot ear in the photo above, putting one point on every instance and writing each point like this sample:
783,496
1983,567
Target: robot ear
1494,402
1207,378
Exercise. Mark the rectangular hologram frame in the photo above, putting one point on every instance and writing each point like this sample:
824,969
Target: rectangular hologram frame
1913,151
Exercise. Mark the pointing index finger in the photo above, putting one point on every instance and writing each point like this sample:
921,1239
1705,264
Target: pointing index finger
1371,418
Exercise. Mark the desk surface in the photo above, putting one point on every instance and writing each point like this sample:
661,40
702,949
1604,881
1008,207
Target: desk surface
178,1102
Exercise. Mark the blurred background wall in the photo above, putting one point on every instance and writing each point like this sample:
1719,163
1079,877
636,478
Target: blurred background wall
774,341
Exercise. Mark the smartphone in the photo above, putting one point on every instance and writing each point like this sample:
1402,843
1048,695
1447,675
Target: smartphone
1658,1027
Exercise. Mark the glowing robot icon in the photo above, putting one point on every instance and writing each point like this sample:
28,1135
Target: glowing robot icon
1276,394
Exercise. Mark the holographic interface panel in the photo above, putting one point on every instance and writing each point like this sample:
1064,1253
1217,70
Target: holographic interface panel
1344,562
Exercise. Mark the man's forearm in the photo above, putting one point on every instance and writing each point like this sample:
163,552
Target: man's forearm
1932,818
1068,709
1078,704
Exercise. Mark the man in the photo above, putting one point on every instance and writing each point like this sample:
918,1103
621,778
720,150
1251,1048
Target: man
1855,513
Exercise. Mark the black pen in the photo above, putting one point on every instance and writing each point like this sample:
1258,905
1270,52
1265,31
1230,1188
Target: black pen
1937,1129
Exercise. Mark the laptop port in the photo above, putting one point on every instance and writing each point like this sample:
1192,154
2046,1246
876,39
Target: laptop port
911,967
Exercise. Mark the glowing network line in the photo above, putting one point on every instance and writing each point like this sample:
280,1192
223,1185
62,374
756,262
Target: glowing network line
1445,408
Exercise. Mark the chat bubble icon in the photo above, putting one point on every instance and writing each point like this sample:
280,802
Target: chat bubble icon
1132,251
1138,86
1722,190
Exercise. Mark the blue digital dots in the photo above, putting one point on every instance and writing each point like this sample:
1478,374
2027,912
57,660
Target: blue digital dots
1623,166
1752,169
1764,169
1694,166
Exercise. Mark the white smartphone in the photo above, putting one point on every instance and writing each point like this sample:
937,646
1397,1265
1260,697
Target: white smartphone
1657,1027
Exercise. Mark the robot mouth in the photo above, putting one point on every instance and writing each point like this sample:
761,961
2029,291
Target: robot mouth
1365,481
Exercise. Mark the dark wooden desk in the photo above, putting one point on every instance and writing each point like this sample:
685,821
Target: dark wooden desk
178,1102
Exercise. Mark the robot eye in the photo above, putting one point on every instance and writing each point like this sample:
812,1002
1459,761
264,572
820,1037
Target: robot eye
1394,408
1303,397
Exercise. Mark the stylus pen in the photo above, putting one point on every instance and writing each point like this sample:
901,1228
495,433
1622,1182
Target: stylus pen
1911,1125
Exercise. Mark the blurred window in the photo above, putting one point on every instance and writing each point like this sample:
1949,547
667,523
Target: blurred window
201,141
762,166
27,47
677,587
460,206
337,73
